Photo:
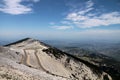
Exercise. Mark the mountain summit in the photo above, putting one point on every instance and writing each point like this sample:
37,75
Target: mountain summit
30,59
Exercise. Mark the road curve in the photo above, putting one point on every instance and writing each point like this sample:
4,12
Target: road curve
26,60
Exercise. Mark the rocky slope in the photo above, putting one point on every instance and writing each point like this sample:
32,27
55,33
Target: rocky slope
30,59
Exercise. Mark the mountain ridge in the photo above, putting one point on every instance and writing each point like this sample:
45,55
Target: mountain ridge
35,54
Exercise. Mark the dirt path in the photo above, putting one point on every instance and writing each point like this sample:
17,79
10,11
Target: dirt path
27,59
40,66
39,61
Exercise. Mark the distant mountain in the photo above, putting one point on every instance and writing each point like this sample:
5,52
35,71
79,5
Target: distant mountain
111,49
30,59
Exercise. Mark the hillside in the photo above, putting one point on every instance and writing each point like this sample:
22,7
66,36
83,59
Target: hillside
30,59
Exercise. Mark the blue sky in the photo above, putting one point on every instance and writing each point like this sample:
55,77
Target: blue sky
60,19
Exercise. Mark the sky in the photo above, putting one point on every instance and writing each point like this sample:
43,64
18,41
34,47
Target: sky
60,19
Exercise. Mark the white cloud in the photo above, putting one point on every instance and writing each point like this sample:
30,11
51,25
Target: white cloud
89,4
62,27
82,12
36,0
52,23
65,22
15,7
88,22
75,17
86,19
33,0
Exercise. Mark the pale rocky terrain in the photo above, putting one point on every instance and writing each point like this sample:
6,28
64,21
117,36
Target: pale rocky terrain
31,59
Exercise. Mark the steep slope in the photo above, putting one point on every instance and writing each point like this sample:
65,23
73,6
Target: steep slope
34,60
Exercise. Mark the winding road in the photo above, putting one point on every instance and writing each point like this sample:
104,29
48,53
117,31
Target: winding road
26,61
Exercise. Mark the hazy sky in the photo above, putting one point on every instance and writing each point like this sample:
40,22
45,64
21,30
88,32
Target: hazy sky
60,19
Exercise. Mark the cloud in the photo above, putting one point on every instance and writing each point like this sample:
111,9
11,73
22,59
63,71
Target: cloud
62,27
33,0
89,4
15,7
75,16
52,23
87,17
